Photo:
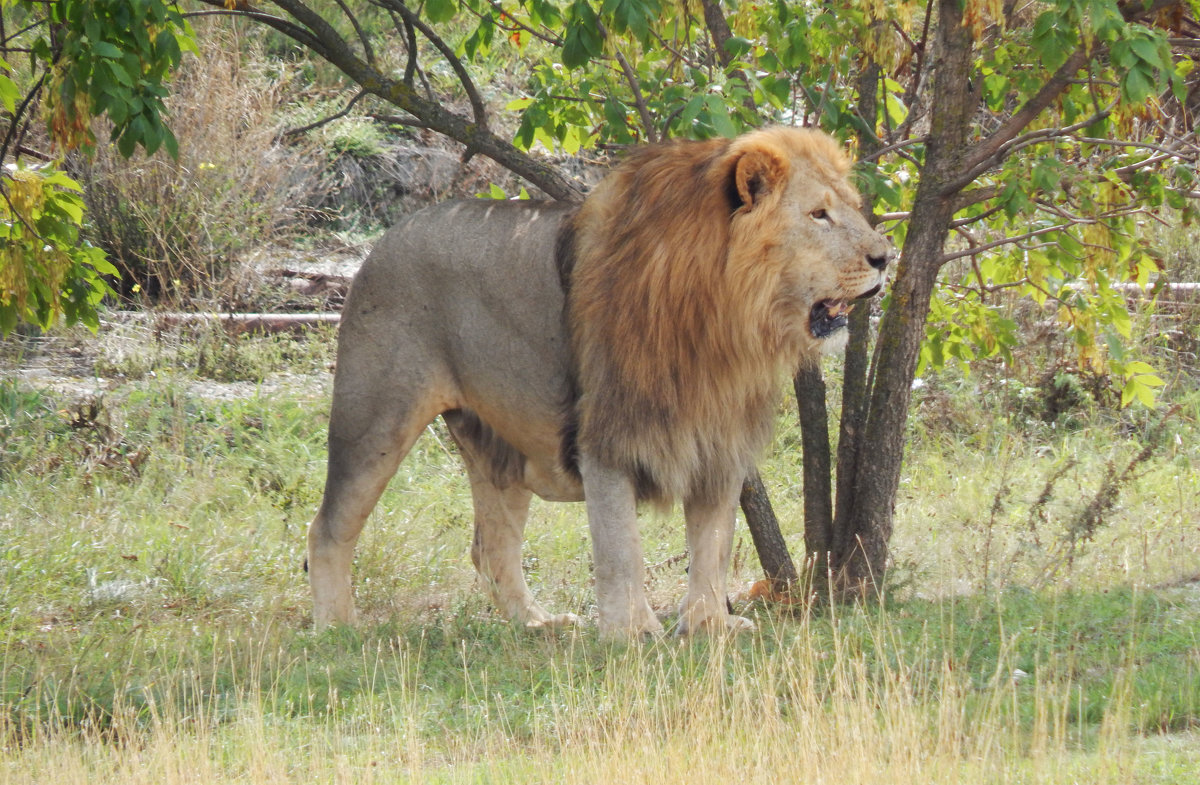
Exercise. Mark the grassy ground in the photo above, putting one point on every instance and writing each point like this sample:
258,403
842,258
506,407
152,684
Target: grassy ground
154,617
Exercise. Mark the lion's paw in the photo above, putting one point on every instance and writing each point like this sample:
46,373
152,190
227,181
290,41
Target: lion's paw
715,625
553,620
739,624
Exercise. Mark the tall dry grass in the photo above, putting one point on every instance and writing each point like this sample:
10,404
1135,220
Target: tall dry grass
180,228
786,708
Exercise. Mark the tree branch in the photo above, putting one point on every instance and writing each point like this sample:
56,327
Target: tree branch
992,150
326,120
718,28
1005,241
635,87
368,52
478,109
279,24
318,35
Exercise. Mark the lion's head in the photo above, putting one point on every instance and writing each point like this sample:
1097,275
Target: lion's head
703,272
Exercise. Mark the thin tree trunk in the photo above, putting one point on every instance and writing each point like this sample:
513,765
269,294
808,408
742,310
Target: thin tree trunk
818,492
764,531
855,385
863,555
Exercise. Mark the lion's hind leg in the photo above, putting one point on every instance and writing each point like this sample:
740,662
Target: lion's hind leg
501,503
369,434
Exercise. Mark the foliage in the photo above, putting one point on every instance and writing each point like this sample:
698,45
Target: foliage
85,59
45,269
1051,213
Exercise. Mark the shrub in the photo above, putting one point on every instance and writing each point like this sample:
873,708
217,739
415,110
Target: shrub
178,228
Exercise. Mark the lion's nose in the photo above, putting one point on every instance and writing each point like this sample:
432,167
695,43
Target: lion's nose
878,261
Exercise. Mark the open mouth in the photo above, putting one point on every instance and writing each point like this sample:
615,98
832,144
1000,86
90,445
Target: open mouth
829,316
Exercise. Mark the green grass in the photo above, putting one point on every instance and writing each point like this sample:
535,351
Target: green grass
154,617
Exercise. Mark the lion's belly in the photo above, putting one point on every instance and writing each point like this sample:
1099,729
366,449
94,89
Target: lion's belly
552,482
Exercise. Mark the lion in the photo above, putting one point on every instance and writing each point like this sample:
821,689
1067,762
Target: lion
630,349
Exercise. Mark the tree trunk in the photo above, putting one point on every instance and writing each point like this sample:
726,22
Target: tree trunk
818,492
862,554
855,385
764,531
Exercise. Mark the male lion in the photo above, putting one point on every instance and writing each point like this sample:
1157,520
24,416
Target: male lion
629,349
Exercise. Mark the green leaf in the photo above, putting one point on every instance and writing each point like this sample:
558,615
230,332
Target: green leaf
718,115
1138,84
99,262
62,180
170,143
119,73
582,41
106,50
440,10
72,209
738,46
1148,50
9,94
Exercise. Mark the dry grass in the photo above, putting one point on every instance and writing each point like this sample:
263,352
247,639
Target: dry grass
180,228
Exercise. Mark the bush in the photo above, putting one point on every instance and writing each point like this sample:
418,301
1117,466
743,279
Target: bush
178,228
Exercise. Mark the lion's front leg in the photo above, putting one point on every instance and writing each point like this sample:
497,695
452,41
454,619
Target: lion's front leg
710,541
617,552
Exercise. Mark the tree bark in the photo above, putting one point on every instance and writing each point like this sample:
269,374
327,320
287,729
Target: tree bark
862,553
768,540
809,387
855,385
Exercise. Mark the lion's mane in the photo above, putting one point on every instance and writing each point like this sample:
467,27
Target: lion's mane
675,278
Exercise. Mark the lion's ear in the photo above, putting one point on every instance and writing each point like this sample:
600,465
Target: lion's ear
757,173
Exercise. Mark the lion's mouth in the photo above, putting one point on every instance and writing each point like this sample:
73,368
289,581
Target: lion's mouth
829,316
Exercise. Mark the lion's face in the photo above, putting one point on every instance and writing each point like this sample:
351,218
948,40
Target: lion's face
824,226
825,253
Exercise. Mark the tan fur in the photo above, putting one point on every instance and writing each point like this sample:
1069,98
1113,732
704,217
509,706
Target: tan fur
690,276
678,327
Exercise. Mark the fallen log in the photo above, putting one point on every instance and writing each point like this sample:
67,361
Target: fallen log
237,323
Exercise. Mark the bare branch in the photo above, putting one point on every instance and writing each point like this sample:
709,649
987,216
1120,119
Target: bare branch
278,23
13,135
911,93
1167,152
635,87
894,148
326,120
1005,241
478,109
368,52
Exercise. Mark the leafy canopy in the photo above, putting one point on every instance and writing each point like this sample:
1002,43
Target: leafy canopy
78,60
1055,216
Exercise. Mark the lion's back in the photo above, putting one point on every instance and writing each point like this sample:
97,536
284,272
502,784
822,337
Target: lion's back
467,292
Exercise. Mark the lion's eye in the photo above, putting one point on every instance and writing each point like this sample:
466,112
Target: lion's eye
820,214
